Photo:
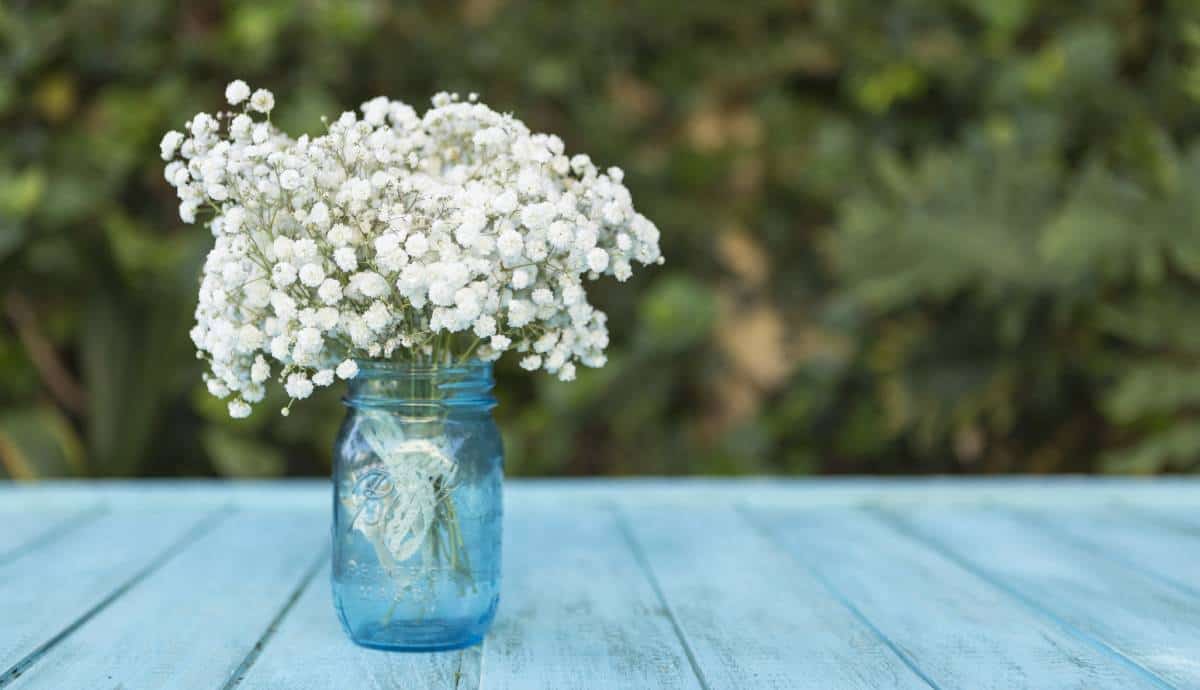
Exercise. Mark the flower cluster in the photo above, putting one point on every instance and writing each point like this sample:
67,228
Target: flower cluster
431,238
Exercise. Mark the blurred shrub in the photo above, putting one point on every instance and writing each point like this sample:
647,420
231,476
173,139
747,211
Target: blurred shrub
903,236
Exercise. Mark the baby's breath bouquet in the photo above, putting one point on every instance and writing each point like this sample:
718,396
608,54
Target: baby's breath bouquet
433,240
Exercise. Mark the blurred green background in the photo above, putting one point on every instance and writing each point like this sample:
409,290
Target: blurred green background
903,236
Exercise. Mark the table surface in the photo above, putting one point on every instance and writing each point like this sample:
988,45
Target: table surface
1067,583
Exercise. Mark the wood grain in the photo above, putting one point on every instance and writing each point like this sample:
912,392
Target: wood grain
1151,628
577,611
310,652
190,623
45,594
751,615
959,629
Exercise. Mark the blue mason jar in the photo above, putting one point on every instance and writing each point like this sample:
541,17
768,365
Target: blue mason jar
417,474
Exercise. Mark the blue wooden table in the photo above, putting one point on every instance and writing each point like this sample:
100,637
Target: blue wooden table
625,584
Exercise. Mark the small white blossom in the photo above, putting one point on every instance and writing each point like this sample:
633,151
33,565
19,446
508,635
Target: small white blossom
566,372
283,274
505,203
346,259
298,386
597,260
377,317
170,143
485,326
311,275
416,245
289,179
330,291
348,369
262,101
260,371
237,91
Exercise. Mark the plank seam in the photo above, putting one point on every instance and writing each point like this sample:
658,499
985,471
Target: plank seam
239,673
896,523
57,531
837,594
205,524
1098,551
640,557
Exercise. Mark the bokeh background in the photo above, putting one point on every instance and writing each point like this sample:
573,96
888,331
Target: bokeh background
903,236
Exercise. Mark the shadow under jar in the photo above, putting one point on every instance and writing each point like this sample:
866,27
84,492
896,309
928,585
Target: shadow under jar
417,474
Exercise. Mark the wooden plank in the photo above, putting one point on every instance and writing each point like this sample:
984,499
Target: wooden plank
961,631
1168,549
751,615
310,652
47,592
26,531
193,621
1141,622
577,610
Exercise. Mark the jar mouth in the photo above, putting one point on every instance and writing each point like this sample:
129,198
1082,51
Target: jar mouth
382,368
421,389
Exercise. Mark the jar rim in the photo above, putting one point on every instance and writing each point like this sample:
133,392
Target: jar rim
391,367
403,385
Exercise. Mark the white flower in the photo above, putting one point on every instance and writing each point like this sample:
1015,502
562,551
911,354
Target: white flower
318,215
339,235
531,362
289,179
538,216
509,243
485,326
566,372
170,143
505,203
239,409
520,313
239,128
348,369
283,248
369,283
260,371
330,291
311,275
377,317
262,101
597,260
323,377
283,274
522,278
416,245
298,386
346,259
327,318
238,91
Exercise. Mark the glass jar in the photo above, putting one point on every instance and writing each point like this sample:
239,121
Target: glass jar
417,474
